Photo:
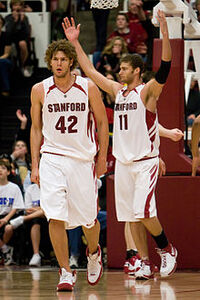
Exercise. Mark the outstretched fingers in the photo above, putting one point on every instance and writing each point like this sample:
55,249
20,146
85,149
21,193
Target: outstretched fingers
67,22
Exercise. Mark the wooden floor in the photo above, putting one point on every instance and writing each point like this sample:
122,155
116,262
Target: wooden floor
32,283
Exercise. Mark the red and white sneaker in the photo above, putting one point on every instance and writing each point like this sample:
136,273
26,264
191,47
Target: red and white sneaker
94,266
146,271
134,264
168,257
126,265
67,281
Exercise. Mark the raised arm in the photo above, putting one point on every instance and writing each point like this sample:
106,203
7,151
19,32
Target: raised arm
36,129
153,88
72,34
99,111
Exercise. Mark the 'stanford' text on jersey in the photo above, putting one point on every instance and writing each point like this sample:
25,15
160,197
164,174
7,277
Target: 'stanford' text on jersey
135,133
68,123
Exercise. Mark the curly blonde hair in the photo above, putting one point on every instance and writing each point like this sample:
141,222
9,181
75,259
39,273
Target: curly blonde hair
64,46
108,48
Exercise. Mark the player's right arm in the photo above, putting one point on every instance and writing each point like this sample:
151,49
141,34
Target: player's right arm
37,95
72,33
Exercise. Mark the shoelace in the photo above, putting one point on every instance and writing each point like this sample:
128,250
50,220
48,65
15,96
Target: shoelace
65,277
92,264
164,260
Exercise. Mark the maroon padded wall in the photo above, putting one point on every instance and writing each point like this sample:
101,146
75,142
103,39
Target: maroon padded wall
178,203
171,106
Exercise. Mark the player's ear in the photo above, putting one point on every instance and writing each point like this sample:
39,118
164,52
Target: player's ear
71,62
137,70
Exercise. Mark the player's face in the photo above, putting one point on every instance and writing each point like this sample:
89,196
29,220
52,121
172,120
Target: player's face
60,64
3,172
126,73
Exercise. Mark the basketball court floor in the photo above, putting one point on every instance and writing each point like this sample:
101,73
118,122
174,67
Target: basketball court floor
40,284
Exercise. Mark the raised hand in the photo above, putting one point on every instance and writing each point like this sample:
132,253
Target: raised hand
20,116
71,31
163,23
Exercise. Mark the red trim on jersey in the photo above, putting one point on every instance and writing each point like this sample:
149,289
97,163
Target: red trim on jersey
153,174
89,126
54,153
51,88
150,121
152,169
79,87
153,181
147,205
144,158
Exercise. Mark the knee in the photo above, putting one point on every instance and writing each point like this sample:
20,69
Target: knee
23,45
8,229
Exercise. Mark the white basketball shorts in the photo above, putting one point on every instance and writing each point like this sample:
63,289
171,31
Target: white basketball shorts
68,190
135,189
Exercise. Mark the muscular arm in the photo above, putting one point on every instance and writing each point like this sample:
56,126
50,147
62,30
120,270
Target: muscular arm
36,129
72,34
102,127
153,89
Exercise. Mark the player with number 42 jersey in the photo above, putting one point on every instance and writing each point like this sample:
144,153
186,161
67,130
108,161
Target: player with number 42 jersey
68,123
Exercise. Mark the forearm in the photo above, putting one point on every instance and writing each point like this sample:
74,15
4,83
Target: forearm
37,214
164,132
36,139
103,139
10,215
83,60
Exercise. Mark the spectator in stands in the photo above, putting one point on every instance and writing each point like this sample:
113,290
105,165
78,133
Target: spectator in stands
17,25
193,119
111,55
5,62
13,176
123,30
23,133
100,17
35,220
21,157
193,103
11,201
137,18
197,5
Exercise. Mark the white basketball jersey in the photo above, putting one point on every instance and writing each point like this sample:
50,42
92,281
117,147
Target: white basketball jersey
68,123
135,133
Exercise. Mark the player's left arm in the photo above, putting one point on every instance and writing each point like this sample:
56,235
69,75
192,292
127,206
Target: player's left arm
153,88
99,111
174,134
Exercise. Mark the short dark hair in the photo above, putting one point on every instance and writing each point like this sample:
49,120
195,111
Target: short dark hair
5,164
6,156
135,60
123,14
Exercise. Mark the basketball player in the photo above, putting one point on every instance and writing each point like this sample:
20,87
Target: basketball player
135,145
62,112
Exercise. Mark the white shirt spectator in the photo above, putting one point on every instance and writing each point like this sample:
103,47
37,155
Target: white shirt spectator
32,196
10,198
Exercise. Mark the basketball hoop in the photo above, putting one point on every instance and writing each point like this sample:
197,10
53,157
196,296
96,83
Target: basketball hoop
104,4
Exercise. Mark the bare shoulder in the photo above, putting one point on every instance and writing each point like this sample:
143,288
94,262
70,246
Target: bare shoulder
38,87
37,92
